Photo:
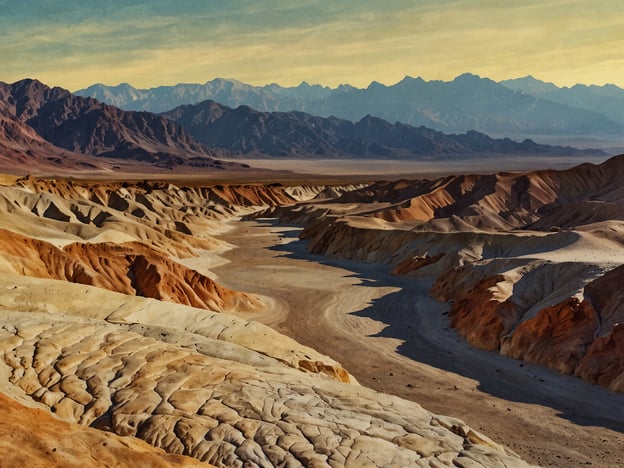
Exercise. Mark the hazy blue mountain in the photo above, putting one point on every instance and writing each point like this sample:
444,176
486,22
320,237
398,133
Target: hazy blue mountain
228,92
297,134
468,102
607,100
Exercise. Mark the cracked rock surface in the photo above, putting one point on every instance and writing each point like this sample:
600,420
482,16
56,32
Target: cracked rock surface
224,412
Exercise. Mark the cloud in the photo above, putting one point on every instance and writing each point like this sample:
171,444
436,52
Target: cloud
74,44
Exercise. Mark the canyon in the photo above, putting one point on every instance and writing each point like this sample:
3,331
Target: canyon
287,323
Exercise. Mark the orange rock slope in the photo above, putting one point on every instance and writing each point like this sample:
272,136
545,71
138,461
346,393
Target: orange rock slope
129,268
575,336
124,237
34,438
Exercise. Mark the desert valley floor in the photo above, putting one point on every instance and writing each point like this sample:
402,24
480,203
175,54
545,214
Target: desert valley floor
305,323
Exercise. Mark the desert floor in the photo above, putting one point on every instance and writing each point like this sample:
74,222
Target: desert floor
392,169
390,334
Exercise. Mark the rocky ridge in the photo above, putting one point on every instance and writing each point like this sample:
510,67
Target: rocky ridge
43,124
296,134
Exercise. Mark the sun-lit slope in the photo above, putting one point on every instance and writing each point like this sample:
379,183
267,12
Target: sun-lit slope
56,443
134,234
163,214
222,335
131,230
131,233
500,201
162,385
129,268
527,260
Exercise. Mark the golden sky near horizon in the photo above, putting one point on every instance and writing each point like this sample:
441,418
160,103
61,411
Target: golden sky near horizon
76,44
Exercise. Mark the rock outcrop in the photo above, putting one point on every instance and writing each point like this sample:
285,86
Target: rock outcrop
129,381
129,268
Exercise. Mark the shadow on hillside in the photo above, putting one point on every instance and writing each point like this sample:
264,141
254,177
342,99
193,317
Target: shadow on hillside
428,339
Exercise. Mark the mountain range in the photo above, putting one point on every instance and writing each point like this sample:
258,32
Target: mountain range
51,127
39,124
607,100
297,134
515,108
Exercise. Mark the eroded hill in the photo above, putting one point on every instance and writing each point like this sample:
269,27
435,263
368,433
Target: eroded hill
530,262
105,325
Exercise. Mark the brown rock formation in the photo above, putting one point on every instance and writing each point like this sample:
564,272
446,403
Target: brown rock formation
603,363
481,318
415,263
22,146
86,126
556,337
32,437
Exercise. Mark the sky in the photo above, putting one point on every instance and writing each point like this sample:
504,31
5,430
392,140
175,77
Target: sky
74,44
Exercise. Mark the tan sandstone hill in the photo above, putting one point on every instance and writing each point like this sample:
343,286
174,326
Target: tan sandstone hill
32,437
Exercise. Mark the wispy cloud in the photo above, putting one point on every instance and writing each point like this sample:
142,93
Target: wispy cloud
158,42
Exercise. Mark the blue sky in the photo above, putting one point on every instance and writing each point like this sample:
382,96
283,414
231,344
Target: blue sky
77,43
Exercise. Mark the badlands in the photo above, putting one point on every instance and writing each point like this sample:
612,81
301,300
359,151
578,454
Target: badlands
186,323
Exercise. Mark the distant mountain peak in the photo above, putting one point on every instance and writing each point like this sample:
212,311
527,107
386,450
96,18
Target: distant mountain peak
408,80
467,76
125,85
345,87
376,85
530,80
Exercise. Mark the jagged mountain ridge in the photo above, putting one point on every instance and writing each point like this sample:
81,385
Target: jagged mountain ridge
21,145
229,92
247,131
468,102
607,100
37,114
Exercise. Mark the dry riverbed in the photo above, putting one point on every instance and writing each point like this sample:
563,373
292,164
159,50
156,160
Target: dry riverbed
393,337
